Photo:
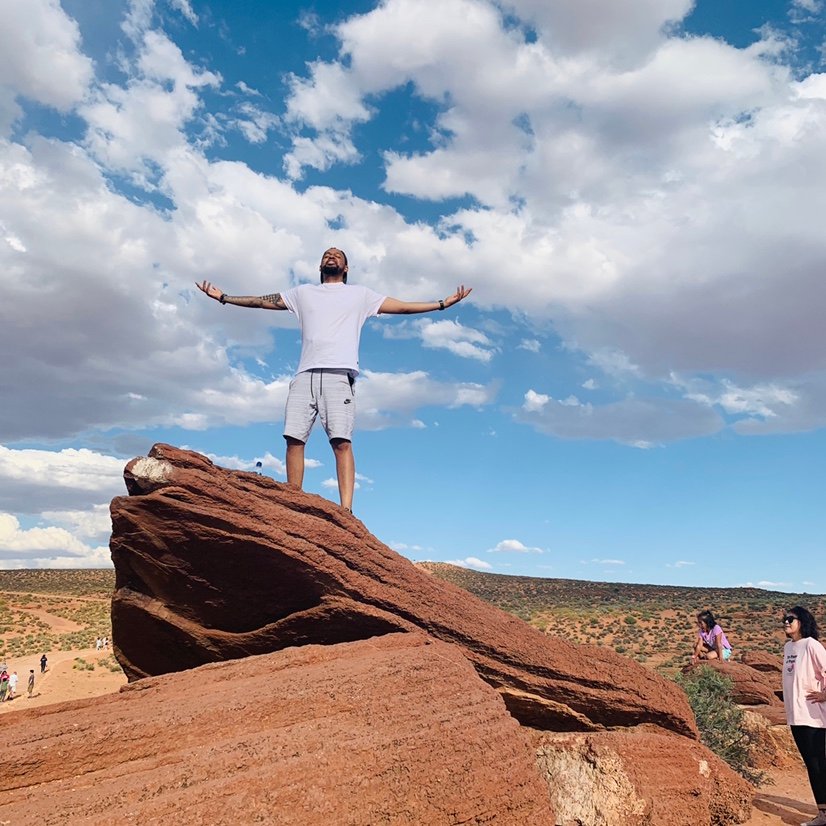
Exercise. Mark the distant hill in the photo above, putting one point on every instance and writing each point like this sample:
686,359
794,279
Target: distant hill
53,610
654,624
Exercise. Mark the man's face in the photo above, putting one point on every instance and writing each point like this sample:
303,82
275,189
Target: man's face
333,262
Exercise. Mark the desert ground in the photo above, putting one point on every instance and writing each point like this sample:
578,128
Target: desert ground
61,614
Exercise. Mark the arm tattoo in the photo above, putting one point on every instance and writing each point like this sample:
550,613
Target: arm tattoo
256,300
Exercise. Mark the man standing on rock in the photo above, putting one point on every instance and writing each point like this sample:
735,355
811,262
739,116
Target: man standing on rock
331,315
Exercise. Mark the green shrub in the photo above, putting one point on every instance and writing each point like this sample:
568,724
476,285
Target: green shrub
719,720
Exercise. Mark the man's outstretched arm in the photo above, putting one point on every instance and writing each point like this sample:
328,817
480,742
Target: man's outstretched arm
273,301
396,307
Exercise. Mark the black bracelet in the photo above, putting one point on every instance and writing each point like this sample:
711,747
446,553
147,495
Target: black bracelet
223,298
441,304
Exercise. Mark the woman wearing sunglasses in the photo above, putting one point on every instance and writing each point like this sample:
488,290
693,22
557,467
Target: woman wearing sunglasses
804,680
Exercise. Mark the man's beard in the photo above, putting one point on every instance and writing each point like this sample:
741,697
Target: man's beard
332,268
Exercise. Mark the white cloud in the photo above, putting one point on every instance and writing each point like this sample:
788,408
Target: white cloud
807,7
133,128
470,562
40,54
255,123
88,524
636,188
680,563
267,461
604,562
185,8
35,480
452,336
403,547
529,344
761,400
635,422
388,398
612,31
49,547
513,546
332,484
651,165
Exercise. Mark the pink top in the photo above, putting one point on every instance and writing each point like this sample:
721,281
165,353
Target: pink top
710,637
804,670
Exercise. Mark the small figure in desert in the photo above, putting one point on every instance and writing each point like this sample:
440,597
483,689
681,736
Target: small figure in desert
711,643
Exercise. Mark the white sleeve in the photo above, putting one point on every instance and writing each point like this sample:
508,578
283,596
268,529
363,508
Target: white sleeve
372,302
290,298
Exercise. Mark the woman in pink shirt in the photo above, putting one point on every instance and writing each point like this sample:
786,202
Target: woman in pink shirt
804,680
712,642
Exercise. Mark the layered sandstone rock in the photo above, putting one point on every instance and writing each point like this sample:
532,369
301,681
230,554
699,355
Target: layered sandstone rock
397,729
213,564
763,661
641,778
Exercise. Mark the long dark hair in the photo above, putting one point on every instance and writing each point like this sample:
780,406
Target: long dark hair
808,624
708,618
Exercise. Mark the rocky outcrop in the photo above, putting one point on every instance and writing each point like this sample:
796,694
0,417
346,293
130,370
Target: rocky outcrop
772,742
758,690
639,778
763,661
397,729
213,565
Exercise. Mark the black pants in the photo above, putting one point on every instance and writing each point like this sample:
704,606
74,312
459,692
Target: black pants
811,743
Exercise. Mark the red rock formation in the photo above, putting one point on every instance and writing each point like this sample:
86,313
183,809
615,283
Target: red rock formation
213,564
397,729
639,778
763,661
749,686
757,690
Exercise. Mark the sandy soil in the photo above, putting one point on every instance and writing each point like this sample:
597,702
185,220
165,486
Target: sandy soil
788,801
61,682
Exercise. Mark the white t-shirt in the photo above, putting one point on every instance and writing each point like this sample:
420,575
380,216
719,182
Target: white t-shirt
331,317
804,670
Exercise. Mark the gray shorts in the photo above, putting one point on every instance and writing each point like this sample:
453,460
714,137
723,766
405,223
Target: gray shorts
330,394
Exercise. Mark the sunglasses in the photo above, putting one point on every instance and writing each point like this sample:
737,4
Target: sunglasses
788,620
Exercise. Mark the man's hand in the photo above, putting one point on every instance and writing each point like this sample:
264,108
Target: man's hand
461,293
816,696
210,289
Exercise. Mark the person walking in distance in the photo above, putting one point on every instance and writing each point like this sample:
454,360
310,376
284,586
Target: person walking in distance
330,315
804,681
31,682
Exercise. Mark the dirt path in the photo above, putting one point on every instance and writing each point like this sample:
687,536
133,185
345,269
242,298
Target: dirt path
788,801
61,681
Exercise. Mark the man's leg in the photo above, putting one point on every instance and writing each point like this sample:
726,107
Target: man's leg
295,462
345,470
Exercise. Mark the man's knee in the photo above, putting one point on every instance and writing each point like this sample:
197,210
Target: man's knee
341,446
292,442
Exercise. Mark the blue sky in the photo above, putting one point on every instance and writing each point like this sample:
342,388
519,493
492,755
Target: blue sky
636,389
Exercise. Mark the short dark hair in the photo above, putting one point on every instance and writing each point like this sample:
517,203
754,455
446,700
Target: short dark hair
808,624
708,618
